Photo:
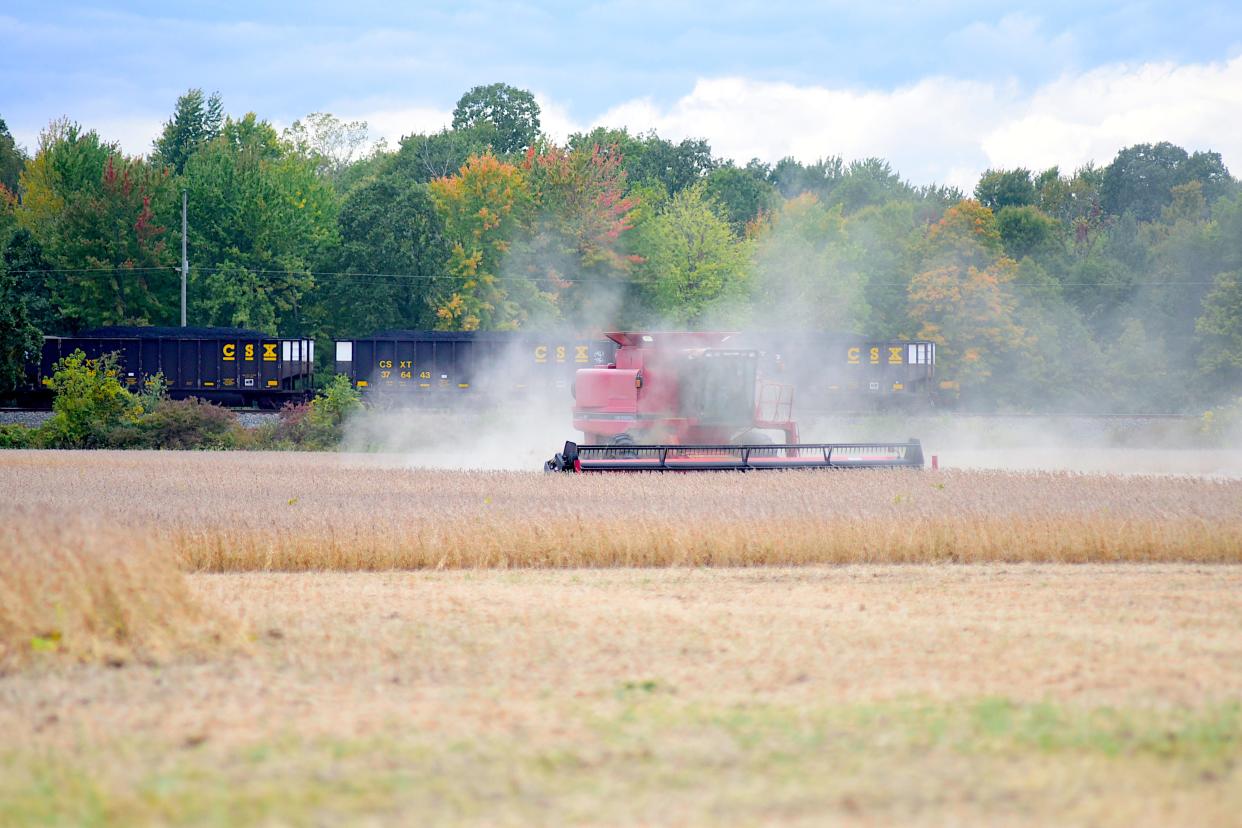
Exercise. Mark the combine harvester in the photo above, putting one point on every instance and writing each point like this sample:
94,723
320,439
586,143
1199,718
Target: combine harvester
695,402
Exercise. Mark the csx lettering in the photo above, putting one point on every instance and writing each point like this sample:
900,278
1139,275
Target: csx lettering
249,353
560,353
269,351
385,363
852,355
894,355
229,352
580,353
875,356
541,353
407,363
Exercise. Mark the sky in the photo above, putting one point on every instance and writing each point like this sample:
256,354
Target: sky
942,90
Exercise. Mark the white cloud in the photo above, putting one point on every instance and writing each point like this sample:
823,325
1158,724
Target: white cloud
940,129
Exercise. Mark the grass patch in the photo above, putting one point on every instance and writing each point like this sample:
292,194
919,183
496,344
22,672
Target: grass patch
648,757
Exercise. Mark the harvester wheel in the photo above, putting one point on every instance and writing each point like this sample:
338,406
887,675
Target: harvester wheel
623,442
758,438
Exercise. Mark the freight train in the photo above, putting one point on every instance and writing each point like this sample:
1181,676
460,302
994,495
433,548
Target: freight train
446,369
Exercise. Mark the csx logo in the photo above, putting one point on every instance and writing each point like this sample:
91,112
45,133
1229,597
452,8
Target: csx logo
559,352
853,356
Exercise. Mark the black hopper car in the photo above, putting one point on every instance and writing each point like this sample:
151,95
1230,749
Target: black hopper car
228,366
850,373
444,367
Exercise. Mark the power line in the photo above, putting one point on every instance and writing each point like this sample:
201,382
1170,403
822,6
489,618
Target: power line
381,278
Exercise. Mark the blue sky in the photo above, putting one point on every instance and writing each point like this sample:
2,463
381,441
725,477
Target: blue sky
762,78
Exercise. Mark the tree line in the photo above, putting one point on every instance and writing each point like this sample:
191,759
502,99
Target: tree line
1113,287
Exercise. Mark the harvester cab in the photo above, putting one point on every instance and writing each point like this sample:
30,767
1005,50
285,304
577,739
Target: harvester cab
691,401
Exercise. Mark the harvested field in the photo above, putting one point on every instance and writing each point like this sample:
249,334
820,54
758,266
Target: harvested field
297,512
860,695
188,638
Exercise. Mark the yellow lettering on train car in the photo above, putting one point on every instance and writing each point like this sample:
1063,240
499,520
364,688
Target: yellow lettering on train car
560,353
894,355
875,356
541,353
852,355
580,353
424,375
385,374
385,363
407,375
249,353
407,363
269,352
229,352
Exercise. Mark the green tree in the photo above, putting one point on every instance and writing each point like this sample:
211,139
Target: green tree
1027,231
393,254
32,274
1220,331
424,158
12,159
1141,178
694,270
195,121
511,111
804,276
998,189
648,158
865,183
261,221
743,192
20,340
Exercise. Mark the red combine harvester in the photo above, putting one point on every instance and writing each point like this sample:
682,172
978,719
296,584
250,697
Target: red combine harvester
695,402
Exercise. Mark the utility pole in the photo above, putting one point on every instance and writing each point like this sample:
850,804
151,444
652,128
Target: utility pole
185,261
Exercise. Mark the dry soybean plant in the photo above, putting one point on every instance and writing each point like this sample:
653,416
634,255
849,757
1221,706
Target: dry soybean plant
331,512
90,592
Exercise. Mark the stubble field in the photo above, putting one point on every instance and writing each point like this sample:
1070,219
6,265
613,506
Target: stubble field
189,638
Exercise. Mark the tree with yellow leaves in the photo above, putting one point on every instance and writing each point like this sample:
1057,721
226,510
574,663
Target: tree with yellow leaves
961,296
483,207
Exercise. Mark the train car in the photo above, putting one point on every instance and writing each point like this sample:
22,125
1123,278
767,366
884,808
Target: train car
847,373
440,367
223,365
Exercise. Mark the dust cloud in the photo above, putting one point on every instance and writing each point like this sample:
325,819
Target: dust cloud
1129,445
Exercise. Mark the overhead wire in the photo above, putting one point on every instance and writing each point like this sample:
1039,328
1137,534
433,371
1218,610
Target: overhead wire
379,277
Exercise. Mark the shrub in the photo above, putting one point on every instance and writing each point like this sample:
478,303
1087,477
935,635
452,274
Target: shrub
1223,424
16,436
186,424
329,411
90,404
